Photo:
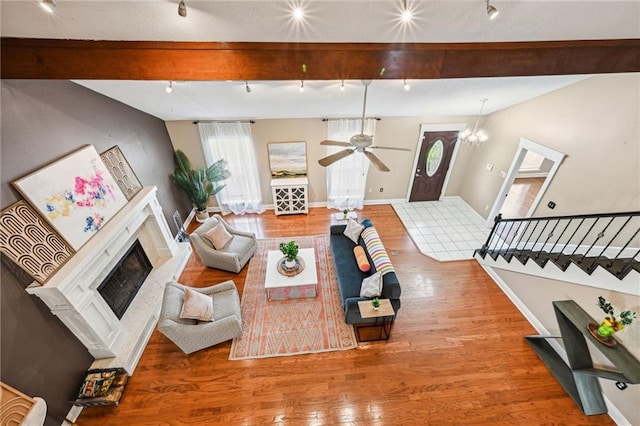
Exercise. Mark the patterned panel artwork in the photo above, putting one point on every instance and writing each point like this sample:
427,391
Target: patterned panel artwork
121,171
75,195
29,243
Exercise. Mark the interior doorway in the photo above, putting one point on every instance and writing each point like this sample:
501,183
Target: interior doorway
529,176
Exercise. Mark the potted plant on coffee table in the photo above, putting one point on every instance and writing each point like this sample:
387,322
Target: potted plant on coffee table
290,252
199,184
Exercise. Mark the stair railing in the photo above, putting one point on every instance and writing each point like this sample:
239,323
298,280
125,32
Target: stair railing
589,240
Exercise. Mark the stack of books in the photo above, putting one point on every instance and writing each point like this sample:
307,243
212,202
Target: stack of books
102,387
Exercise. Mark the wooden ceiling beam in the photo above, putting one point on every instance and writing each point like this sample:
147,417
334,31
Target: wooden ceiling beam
154,60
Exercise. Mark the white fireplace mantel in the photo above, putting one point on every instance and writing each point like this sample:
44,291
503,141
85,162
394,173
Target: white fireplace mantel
72,293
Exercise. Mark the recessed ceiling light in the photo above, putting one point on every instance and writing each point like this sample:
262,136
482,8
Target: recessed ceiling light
298,13
48,5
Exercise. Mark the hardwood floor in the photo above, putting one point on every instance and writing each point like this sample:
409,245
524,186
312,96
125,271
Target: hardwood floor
456,355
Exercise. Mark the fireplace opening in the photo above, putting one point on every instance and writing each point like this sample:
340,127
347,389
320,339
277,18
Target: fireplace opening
125,279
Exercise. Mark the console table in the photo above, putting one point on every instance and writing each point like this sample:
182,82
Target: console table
289,195
580,379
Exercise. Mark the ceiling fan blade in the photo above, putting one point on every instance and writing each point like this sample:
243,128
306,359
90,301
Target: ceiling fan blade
390,147
330,159
334,143
376,161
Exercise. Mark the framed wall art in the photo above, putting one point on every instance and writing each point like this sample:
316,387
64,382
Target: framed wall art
30,243
287,159
76,195
121,171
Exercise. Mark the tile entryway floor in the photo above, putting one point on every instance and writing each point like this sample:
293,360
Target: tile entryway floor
444,230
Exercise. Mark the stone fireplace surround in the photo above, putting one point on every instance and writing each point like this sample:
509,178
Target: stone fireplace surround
72,293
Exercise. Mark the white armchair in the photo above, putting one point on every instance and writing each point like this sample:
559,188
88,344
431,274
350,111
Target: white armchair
235,254
192,335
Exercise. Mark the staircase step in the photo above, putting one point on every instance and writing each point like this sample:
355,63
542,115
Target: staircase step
562,261
523,256
620,268
541,258
587,264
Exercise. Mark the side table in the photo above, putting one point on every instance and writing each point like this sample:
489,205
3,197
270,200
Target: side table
579,378
384,317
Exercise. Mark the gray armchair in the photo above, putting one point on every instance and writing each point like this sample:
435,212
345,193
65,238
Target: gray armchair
192,335
233,256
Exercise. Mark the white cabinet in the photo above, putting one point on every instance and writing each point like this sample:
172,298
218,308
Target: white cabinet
289,195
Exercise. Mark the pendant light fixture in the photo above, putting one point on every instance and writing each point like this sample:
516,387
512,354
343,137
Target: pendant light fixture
246,86
169,87
475,136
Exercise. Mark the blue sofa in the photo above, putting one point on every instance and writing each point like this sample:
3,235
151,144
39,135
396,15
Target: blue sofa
350,276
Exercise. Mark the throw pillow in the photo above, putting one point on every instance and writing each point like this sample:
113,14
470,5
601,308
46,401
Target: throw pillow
371,286
218,236
376,250
353,230
197,306
361,258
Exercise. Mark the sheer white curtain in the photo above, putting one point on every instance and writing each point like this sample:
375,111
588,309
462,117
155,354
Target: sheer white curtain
347,178
233,142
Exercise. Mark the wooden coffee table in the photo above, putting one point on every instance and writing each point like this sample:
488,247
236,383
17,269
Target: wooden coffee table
307,278
384,317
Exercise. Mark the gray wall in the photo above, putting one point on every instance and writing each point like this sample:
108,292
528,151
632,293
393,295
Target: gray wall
41,122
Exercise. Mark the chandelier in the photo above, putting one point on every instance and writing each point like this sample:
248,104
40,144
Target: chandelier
475,136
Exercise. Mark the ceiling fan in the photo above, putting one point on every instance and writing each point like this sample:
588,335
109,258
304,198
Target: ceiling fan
358,143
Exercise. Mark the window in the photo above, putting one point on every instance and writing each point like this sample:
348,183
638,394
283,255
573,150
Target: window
347,178
233,142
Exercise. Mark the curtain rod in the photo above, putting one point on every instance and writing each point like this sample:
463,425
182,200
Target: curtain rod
352,118
222,121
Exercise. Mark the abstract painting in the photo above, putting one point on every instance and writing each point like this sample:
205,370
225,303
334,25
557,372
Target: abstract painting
77,195
287,159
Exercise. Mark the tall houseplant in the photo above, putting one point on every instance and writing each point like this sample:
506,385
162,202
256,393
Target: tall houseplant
199,184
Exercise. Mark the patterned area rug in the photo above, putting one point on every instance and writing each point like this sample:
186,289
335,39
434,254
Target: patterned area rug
292,326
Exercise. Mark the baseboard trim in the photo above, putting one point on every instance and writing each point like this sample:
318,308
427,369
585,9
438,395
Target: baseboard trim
613,411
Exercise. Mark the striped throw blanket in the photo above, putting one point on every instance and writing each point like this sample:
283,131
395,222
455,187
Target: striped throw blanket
376,251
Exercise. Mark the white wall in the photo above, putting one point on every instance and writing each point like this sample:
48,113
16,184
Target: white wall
394,132
595,122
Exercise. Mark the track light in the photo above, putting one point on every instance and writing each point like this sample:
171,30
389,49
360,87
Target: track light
301,85
48,5
169,88
182,9
491,11
407,87
342,86
246,86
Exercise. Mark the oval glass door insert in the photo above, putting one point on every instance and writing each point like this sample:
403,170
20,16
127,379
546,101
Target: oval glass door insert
434,157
